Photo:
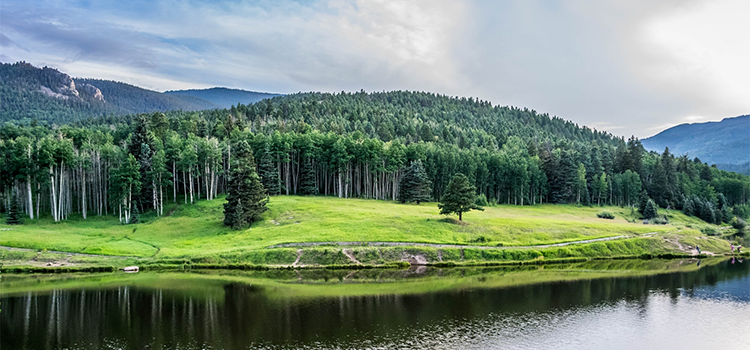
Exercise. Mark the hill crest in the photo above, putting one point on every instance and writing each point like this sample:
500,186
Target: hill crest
723,142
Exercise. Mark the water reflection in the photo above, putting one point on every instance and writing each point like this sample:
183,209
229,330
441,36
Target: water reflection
211,313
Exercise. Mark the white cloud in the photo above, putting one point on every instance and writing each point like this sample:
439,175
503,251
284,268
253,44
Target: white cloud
699,54
623,66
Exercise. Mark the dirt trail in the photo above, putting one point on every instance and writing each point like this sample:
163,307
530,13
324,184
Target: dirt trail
349,254
436,245
686,249
299,255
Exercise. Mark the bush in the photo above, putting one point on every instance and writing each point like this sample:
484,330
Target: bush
742,211
659,221
481,200
709,231
480,239
606,215
738,223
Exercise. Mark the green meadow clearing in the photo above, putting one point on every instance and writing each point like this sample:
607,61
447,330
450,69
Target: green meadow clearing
196,231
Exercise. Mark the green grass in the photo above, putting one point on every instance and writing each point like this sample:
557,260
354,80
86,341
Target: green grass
196,231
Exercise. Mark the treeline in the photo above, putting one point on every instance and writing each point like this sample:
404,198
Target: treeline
346,145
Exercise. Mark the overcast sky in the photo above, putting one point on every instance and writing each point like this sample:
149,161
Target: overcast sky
628,67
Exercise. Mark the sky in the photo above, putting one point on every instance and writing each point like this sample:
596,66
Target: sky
630,67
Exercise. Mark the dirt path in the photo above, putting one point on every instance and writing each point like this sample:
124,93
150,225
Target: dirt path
350,255
299,255
686,249
436,245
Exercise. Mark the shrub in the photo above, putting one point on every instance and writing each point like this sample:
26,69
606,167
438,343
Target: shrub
481,200
606,215
480,239
738,223
742,211
650,210
709,231
659,221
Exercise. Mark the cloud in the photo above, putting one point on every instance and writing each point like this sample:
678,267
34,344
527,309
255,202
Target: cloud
92,41
624,66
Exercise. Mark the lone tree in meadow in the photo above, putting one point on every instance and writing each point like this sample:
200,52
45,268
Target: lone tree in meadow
460,197
415,186
246,198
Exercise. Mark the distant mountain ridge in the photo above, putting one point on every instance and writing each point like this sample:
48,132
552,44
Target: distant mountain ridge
725,143
224,97
51,96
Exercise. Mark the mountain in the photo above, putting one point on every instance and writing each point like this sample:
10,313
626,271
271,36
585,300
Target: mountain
50,96
224,97
724,143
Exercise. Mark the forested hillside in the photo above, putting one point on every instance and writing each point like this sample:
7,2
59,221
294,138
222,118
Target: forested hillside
725,143
349,145
224,97
50,96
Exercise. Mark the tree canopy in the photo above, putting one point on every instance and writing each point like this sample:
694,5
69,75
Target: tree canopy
460,197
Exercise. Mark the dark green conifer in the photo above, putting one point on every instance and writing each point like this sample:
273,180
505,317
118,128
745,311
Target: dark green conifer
642,201
269,174
687,207
14,213
415,185
246,198
707,213
650,211
460,197
307,179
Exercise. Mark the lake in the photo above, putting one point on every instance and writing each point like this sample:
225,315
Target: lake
617,304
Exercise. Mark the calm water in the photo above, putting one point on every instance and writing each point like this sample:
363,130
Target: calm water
708,308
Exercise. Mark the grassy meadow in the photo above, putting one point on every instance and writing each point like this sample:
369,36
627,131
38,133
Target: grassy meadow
196,231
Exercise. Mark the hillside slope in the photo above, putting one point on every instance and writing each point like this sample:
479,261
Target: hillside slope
724,142
51,96
224,97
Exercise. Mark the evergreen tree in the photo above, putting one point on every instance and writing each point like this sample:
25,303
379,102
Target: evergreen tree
602,187
14,213
643,201
688,208
141,147
650,211
585,197
580,184
269,173
308,184
246,198
658,186
707,212
723,213
415,185
460,197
